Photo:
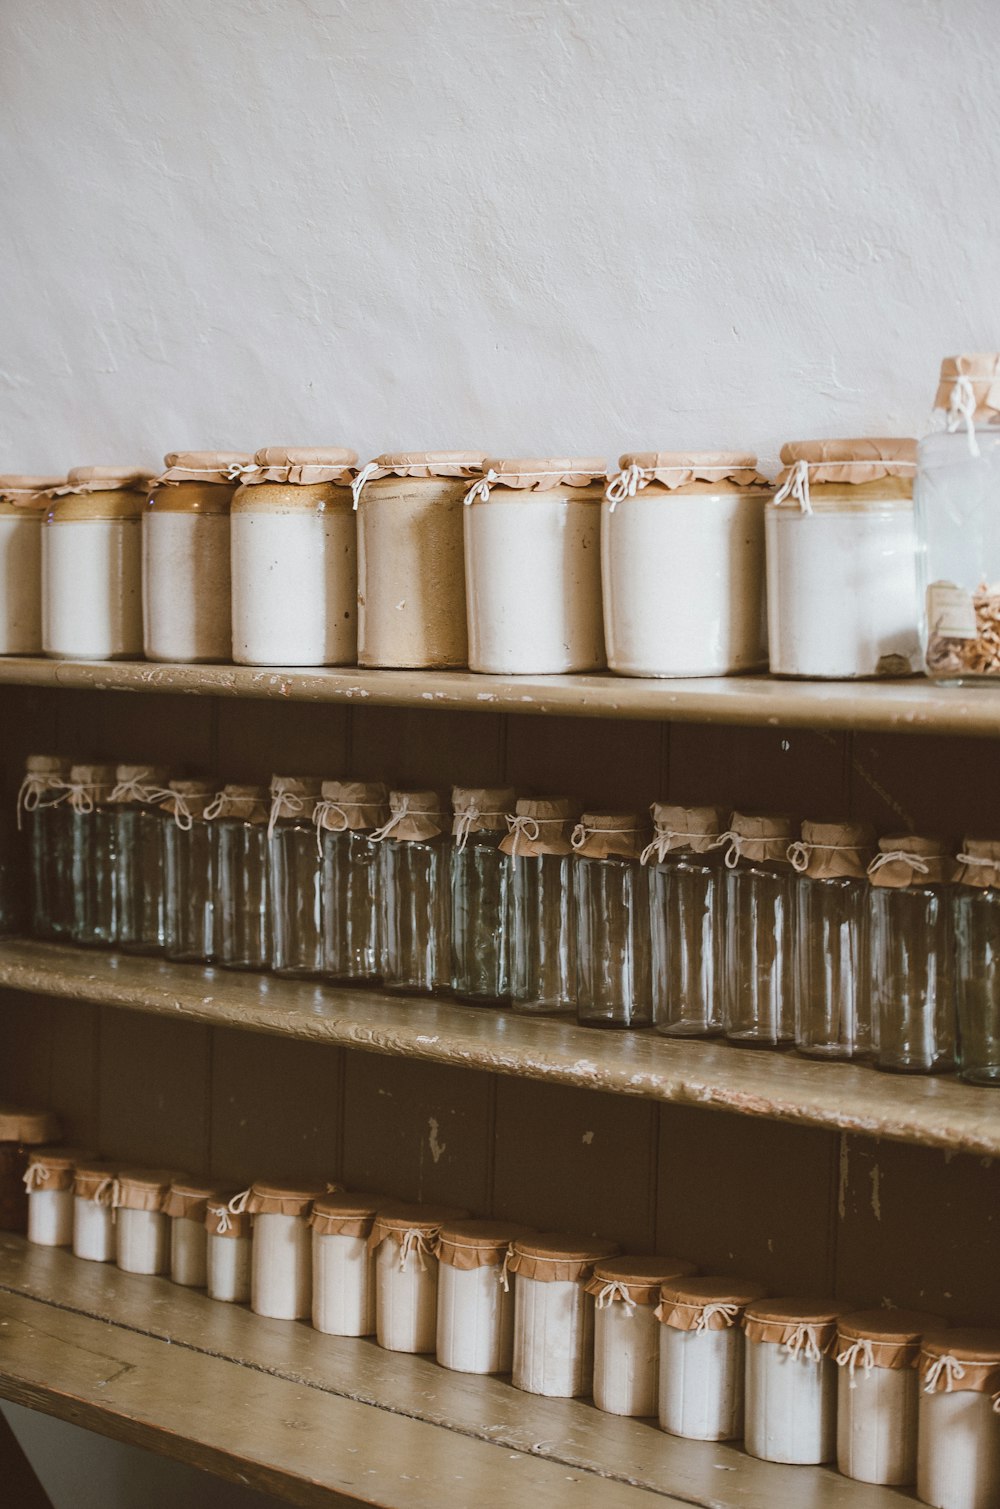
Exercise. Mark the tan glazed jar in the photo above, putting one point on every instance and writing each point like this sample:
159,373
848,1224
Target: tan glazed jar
411,567
92,565
23,501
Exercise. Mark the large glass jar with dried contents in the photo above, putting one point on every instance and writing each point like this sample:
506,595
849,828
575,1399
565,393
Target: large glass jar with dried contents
832,991
242,872
191,923
682,551
294,559
411,565
93,854
23,503
347,817
976,906
140,878
612,908
416,850
480,895
92,565
686,877
295,889
43,809
759,1000
543,926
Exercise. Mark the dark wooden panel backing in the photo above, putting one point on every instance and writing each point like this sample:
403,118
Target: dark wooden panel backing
154,1090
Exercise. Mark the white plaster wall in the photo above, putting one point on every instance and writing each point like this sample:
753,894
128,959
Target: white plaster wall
531,225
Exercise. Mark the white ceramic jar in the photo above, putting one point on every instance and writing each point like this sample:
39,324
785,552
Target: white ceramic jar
49,1180
791,1380
842,561
142,1231
958,1434
228,1253
343,1265
294,559
533,565
475,1317
281,1278
92,565
626,1291
93,1213
682,555
187,609
554,1314
403,1239
702,1356
186,1207
877,1354
23,502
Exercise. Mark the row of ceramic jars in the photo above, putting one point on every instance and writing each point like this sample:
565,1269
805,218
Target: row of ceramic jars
712,1358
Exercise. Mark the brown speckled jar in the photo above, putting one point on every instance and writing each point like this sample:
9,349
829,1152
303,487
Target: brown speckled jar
21,1129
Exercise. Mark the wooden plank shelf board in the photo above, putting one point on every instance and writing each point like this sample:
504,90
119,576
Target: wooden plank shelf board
908,706
935,1111
324,1420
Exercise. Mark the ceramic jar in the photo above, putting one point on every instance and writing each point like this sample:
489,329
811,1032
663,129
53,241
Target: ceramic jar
21,1130
877,1354
404,1241
281,1282
958,1433
832,988
343,1264
23,503
142,1231
612,932
93,1211
702,1356
228,1253
475,1312
791,1379
92,565
49,1180
186,1207
554,1313
626,1291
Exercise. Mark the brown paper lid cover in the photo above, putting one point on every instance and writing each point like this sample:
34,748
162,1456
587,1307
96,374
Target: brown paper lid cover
906,859
275,1197
481,809
428,464
100,777
139,783
349,1213
27,492
477,1244
415,816
394,1221
540,826
865,459
673,469
603,835
93,1176
355,805
544,473
191,796
830,851
893,1337
94,479
637,1279
301,465
248,803
963,1360
27,1124
688,830
981,369
759,838
189,1198
707,1304
143,1188
555,1257
47,765
294,796
979,863
53,1168
783,1320
213,467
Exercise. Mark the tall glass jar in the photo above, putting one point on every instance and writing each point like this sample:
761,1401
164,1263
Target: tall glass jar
958,1430
976,907
411,566
612,908
687,919
191,923
759,1006
93,854
238,817
296,894
911,965
958,476
346,818
187,613
23,502
294,559
415,892
877,1388
140,857
480,895
543,933
92,565
832,1005
43,809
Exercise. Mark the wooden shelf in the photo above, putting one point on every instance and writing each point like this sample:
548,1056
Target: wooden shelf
933,1111
324,1420
910,706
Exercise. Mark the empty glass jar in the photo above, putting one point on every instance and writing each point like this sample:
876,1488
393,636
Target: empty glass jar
612,937
93,854
415,893
346,818
977,961
140,858
480,895
42,808
543,932
191,923
687,882
296,895
759,973
910,955
238,817
832,1005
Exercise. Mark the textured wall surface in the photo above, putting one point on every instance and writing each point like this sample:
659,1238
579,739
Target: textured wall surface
522,224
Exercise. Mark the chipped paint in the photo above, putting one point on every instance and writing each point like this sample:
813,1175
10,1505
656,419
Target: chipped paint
436,1147
875,1175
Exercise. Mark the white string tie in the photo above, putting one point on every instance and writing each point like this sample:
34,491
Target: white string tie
962,411
116,1200
364,475
104,1194
581,833
37,1174
214,807
480,489
799,852
379,835
31,794
286,800
223,1224
898,856
81,797
625,485
237,470
504,1275
616,1290
414,1243
996,1404
734,852
860,1354
183,816
728,1312
802,1344
659,845
521,827
238,1203
464,821
136,790
321,812
979,861
947,1365
796,485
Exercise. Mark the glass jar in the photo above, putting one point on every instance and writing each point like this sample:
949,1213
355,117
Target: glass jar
537,524
190,924
842,561
612,907
92,565
295,889
976,907
228,1254
93,854
791,1380
346,819
877,1353
415,892
958,1430
42,808
832,1004
626,1292
49,1180
21,1130
281,1277
554,1314
343,1264
759,995
411,565
294,559
958,473
186,1207
543,932
93,1211
480,895
475,1309
403,1239
23,502
687,919
702,1356
187,608
139,858
682,550
240,867
911,965
142,1231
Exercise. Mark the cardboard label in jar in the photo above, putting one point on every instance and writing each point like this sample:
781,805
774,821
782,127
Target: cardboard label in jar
950,612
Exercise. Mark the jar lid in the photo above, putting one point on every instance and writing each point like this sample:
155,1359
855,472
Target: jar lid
280,1197
189,799
143,1188
349,1213
477,1244
831,851
222,1221
60,1156
980,863
27,492
674,469
971,382
27,1124
427,464
215,467
706,1304
354,805
52,1168
557,1256
94,1179
139,783
294,796
414,815
47,765
904,859
100,776
248,803
804,1327
301,465
97,479
603,835
543,473
883,1338
189,1198
540,825
399,1216
633,1280
686,830
759,837
963,1360
850,462
480,809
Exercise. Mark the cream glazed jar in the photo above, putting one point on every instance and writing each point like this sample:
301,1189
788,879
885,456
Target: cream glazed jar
475,1318
186,1206
411,565
49,1181
281,1276
533,565
877,1354
228,1253
92,565
791,1379
403,1239
93,1213
142,1231
626,1331
702,1356
294,559
187,609
682,555
958,1450
343,1265
554,1314
23,501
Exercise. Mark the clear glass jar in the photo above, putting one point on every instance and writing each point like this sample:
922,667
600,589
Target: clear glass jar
228,1254
958,1424
791,1380
877,1389
241,868
911,964
759,997
626,1291
295,889
281,1278
404,1240
343,1264
832,1000
543,931
190,919
23,502
416,893
480,895
93,1211
93,849
346,819
142,1231
976,907
92,565
554,1314
702,1356
42,808
140,858
687,919
612,907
